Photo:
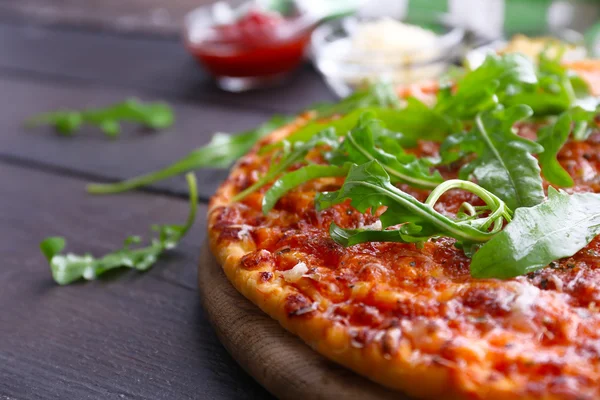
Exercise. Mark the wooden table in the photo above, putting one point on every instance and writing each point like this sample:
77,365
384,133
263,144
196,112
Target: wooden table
131,335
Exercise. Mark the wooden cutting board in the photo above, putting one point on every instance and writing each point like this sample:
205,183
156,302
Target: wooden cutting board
278,360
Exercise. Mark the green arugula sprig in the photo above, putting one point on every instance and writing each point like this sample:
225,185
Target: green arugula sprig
557,89
290,155
508,80
369,140
224,149
68,268
577,122
412,122
67,122
379,94
552,138
365,142
368,186
557,228
487,86
295,178
505,164
220,152
538,235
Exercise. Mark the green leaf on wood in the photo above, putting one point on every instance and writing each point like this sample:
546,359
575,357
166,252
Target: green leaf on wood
68,268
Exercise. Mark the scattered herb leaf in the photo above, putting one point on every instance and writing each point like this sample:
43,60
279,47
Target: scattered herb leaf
365,142
583,117
70,267
67,122
220,152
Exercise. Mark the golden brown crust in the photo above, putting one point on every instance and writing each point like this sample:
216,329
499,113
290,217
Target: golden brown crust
412,319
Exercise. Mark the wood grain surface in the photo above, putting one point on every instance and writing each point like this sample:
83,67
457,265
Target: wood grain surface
280,361
127,336
156,66
149,16
92,155
44,69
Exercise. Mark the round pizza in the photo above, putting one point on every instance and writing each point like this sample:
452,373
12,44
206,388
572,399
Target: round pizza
441,242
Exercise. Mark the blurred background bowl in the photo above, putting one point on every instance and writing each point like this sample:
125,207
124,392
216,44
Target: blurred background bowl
346,66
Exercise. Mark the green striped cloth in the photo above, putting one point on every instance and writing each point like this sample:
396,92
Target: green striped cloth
520,16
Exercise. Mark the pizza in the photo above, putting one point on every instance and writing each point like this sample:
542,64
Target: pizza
407,311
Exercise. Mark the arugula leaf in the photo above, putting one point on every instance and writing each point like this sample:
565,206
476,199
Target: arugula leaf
351,237
359,147
295,178
297,154
552,138
365,142
504,164
220,152
70,267
66,122
414,121
368,186
557,90
507,69
379,94
480,89
584,116
538,235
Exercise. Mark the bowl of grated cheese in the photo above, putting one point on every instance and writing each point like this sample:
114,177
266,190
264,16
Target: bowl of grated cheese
352,52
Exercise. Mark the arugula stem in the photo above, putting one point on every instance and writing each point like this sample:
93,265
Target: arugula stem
257,185
468,208
67,268
469,186
399,175
190,178
498,208
425,210
268,177
184,165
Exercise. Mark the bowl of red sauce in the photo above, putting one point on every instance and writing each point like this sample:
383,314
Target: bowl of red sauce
247,47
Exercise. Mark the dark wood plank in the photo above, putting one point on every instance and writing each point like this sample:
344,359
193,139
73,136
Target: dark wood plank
132,336
153,16
93,154
157,66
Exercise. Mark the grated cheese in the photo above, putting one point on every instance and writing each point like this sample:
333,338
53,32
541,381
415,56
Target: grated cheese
390,35
375,226
525,298
294,274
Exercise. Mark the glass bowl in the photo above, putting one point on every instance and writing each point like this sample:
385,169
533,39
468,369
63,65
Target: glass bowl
244,47
346,68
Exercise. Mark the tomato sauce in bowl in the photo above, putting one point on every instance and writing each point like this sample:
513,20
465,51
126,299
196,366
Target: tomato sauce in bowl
257,49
